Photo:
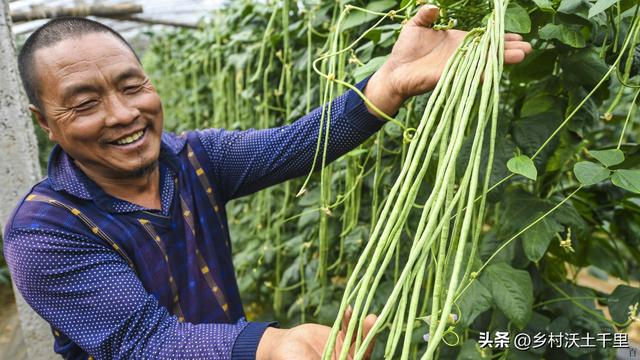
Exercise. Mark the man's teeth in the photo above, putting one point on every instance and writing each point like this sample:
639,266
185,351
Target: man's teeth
131,138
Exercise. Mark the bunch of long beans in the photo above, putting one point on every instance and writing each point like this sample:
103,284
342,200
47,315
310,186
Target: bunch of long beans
464,104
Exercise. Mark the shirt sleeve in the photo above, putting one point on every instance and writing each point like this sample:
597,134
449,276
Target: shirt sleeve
246,161
90,294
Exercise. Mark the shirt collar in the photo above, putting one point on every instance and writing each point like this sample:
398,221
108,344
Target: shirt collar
65,176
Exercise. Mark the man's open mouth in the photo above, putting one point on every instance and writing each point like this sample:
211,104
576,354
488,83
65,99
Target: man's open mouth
130,139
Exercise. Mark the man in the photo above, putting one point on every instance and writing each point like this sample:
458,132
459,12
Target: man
124,247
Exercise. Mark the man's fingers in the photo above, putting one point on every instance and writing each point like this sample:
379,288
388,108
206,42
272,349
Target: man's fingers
369,321
522,45
513,56
515,50
512,37
426,16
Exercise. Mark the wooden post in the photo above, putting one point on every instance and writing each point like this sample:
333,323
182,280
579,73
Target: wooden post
89,10
19,170
150,21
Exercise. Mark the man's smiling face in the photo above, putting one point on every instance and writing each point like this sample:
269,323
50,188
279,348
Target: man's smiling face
99,105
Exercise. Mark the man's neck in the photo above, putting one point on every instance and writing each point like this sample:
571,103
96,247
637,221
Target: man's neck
143,190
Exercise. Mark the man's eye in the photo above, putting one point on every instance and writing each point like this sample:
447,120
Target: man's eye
132,89
86,105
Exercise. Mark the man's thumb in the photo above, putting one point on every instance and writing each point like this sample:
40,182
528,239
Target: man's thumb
426,16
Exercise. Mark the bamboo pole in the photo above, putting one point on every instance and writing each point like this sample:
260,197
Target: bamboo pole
89,10
152,21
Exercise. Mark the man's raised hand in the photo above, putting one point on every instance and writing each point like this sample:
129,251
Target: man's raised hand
419,57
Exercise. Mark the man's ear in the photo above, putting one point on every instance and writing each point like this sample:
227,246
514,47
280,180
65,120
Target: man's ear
42,120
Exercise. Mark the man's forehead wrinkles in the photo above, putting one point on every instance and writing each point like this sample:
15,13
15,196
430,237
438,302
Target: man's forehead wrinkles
127,72
92,77
74,67
103,61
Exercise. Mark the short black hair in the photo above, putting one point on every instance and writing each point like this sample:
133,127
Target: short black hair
49,34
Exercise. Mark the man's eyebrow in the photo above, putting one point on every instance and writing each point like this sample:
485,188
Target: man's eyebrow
76,89
127,74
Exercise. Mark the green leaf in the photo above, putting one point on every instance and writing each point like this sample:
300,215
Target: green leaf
357,18
608,157
369,68
490,242
567,309
588,113
512,291
536,240
600,6
308,217
393,129
292,273
524,166
476,300
539,104
310,198
354,240
627,179
563,33
589,173
530,132
517,19
544,5
537,65
373,35
327,311
585,67
575,7
620,300
522,208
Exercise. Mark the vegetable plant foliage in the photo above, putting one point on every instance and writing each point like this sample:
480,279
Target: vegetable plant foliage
541,180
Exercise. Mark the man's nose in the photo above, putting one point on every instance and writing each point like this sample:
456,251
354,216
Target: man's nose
120,111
